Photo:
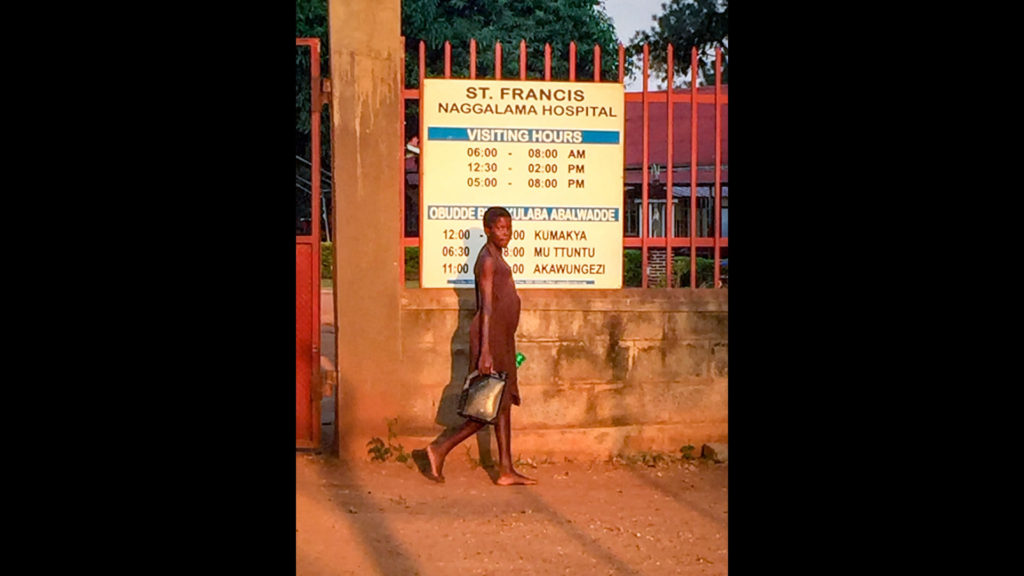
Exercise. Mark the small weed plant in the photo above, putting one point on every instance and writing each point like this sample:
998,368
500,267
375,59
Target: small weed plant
381,451
657,458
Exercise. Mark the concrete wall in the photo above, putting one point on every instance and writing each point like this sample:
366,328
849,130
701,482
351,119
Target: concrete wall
607,371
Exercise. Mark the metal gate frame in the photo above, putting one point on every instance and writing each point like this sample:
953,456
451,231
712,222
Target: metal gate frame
307,263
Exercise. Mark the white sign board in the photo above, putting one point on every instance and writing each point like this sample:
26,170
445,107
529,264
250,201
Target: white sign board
551,153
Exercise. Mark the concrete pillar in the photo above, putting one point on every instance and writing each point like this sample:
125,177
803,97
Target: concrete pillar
366,115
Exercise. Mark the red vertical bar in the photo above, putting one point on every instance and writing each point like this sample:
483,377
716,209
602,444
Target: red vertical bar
547,61
622,62
522,59
718,164
622,54
423,139
315,257
497,60
472,58
401,169
572,61
669,169
314,117
644,219
422,63
693,167
597,63
447,59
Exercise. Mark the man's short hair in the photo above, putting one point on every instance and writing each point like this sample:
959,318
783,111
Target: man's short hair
493,213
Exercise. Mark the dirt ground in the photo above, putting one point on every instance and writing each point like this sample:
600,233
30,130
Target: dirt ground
589,517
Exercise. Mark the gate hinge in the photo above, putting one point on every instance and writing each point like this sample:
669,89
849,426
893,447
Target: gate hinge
325,89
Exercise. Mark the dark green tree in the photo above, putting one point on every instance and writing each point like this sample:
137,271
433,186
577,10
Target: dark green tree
457,21
509,22
685,24
310,22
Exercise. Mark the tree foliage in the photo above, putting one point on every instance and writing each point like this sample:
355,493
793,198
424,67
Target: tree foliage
310,22
508,22
685,24
538,22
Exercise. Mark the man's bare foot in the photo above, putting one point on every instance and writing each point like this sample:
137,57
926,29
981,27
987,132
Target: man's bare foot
514,478
435,468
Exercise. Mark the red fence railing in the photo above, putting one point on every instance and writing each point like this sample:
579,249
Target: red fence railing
640,162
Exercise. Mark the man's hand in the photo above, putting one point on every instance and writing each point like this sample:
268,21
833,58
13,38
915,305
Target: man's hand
486,363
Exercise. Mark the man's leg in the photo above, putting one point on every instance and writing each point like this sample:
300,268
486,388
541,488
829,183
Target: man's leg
507,475
436,453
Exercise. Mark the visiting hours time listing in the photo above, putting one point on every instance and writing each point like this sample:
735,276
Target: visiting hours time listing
551,153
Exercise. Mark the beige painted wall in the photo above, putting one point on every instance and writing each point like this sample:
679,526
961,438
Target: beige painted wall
607,371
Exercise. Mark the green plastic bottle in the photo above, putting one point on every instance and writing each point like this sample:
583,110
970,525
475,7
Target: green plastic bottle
520,358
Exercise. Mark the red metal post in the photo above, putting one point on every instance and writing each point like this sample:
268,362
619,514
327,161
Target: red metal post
423,137
522,59
447,59
693,167
401,169
314,117
597,63
644,218
572,61
497,60
669,169
718,164
547,61
422,64
472,58
622,62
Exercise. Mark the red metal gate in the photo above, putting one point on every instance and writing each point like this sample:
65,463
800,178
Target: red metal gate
307,282
662,146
